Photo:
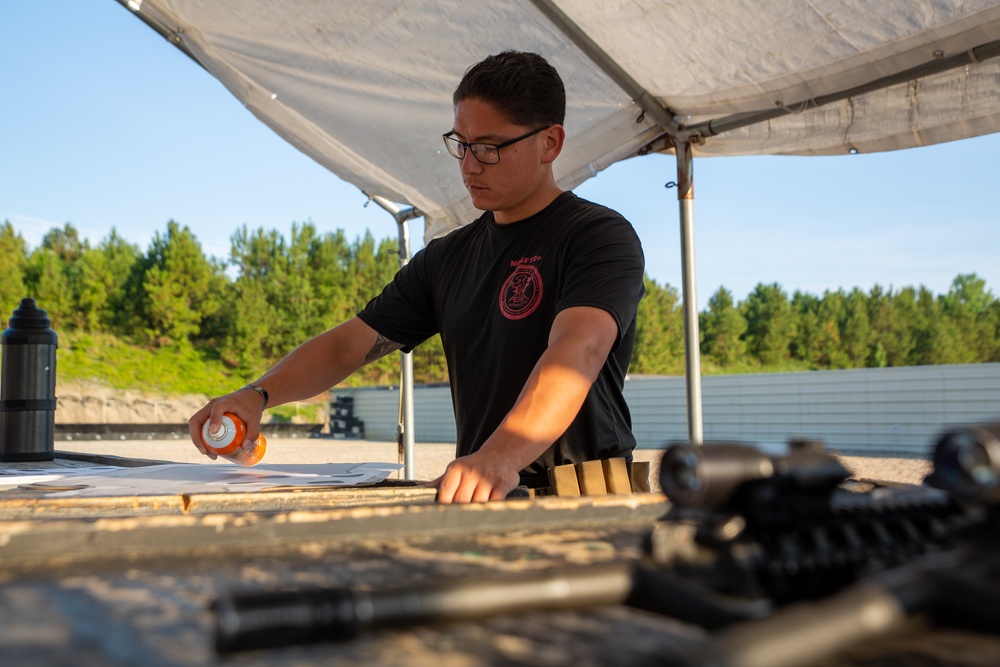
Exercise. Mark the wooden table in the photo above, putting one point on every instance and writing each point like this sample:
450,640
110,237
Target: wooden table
122,582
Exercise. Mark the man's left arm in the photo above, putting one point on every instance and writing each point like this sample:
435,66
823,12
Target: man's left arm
580,340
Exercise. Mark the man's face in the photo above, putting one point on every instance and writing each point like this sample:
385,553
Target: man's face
511,187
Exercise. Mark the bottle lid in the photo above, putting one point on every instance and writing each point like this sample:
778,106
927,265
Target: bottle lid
223,437
29,324
29,316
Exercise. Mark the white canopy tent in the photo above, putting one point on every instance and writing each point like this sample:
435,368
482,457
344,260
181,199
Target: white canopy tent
364,88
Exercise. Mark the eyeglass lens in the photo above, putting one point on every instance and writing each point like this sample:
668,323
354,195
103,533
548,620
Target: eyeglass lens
485,153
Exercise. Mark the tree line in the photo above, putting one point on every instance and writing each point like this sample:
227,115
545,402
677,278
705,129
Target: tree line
772,331
273,292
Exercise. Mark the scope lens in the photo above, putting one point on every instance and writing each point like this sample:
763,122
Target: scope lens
682,468
708,475
967,463
975,461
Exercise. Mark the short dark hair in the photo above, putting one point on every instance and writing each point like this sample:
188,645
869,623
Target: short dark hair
523,86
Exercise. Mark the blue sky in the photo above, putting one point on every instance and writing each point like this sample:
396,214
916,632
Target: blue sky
103,124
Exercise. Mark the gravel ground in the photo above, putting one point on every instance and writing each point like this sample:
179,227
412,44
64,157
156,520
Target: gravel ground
430,460
909,471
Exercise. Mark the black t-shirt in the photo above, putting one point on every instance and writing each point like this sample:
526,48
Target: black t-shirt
492,292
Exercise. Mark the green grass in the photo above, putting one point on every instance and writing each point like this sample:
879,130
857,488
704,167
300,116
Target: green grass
708,367
110,361
107,360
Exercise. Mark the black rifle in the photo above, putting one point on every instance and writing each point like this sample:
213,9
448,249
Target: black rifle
939,562
783,555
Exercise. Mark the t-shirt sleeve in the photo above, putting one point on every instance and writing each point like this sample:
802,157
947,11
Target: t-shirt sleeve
404,312
604,269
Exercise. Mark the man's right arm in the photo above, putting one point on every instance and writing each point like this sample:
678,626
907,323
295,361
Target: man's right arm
310,369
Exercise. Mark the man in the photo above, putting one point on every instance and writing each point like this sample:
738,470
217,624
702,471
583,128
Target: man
535,302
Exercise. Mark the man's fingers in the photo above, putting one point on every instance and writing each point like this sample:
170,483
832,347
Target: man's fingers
483,492
211,415
457,485
194,427
431,484
447,484
470,489
465,482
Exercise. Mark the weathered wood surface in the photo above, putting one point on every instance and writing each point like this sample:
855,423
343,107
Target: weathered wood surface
120,590
36,531
156,612
34,543
28,504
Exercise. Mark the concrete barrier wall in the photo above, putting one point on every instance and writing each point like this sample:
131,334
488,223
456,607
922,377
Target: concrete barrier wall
876,411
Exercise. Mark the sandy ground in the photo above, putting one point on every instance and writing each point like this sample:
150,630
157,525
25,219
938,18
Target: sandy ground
84,403
429,459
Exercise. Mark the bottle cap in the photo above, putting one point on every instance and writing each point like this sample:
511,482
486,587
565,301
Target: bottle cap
29,324
224,437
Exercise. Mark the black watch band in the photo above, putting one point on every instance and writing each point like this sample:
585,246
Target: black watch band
260,390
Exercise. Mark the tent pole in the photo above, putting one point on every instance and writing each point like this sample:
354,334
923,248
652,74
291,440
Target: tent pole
405,430
692,351
665,118
406,372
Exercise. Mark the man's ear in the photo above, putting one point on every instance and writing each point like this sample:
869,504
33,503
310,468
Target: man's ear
552,142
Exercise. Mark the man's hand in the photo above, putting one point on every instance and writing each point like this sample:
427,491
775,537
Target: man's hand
579,343
477,478
244,403
311,368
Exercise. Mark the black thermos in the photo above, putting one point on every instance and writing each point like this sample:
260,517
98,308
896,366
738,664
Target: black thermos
28,386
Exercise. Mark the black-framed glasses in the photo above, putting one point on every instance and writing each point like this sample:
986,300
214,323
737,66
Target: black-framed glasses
485,153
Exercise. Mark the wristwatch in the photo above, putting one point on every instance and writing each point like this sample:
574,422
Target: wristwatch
260,390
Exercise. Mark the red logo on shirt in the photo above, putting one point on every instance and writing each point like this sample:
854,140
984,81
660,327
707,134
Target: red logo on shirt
521,292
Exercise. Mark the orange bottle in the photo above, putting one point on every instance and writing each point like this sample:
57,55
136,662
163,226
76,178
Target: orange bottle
228,442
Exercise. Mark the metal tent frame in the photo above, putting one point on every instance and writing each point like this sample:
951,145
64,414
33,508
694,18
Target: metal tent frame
670,134
682,138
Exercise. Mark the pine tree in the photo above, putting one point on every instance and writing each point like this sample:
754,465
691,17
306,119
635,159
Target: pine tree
330,275
104,274
856,333
659,333
429,364
939,340
722,330
807,327
178,289
771,325
46,281
891,316
967,305
14,260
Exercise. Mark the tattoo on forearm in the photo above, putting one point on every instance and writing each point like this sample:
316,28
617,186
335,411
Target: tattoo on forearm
382,347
